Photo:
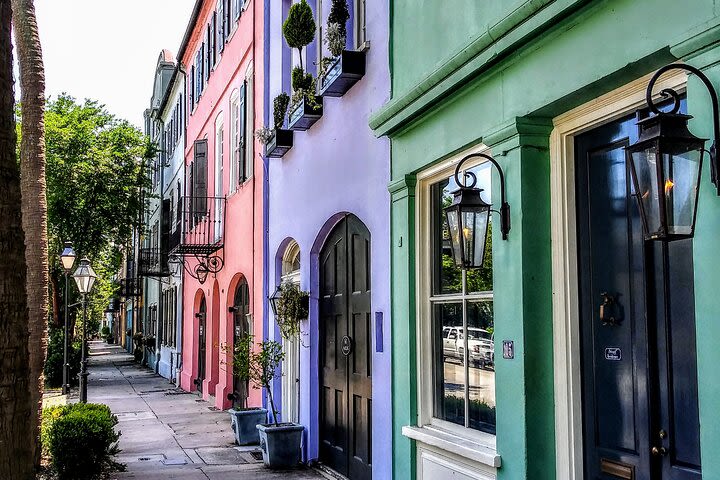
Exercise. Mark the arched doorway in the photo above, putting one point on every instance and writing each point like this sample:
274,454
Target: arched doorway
290,273
201,315
241,329
345,355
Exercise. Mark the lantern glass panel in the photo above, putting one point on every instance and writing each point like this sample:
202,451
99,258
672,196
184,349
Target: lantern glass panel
474,227
681,170
647,185
455,241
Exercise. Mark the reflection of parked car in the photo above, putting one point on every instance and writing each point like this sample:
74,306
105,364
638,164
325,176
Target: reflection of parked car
480,344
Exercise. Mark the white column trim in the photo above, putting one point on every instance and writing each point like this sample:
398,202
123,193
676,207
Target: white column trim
566,335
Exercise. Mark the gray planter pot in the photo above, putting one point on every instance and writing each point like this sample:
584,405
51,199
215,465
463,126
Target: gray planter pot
281,445
244,423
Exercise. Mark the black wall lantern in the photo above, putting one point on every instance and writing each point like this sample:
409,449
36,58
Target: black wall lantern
275,298
666,164
468,217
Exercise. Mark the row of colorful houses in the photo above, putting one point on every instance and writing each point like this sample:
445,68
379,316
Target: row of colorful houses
579,349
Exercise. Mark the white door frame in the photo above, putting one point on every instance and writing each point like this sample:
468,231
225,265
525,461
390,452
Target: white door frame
566,335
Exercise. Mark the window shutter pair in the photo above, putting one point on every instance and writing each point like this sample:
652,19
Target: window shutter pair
200,178
242,122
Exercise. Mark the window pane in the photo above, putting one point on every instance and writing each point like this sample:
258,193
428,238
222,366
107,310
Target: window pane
481,347
448,369
447,278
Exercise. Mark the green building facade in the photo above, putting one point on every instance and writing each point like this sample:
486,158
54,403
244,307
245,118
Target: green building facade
548,88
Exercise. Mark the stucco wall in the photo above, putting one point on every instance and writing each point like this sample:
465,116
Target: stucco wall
504,95
336,167
243,226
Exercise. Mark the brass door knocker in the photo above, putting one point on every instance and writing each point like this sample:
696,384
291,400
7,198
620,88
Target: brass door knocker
610,310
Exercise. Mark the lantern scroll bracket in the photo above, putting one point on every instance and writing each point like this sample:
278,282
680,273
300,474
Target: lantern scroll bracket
670,93
504,205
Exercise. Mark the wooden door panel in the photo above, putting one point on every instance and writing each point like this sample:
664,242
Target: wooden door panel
346,369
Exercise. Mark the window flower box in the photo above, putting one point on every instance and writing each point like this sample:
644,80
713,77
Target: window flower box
342,74
279,143
303,115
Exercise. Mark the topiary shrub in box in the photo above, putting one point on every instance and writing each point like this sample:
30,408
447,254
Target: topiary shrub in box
81,440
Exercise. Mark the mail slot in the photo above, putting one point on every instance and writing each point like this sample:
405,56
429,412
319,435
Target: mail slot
617,469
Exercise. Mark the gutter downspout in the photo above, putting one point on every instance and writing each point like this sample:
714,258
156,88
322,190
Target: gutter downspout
266,171
181,323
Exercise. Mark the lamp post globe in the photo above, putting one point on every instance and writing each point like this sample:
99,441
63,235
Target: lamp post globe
85,278
67,259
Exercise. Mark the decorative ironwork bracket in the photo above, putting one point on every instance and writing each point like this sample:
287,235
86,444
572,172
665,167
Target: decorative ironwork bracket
670,93
504,205
201,267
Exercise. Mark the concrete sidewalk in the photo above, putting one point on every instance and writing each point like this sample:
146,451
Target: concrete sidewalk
166,432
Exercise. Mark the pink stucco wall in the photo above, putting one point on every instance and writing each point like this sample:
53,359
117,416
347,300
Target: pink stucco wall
243,254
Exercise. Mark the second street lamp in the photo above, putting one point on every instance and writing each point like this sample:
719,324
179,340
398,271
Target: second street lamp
67,258
85,278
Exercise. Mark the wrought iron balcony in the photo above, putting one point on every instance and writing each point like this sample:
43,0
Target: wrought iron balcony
153,262
202,228
130,287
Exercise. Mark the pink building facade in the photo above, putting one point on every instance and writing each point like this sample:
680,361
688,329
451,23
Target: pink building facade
222,235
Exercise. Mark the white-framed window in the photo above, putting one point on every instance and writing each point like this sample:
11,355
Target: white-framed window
234,140
219,163
360,22
455,317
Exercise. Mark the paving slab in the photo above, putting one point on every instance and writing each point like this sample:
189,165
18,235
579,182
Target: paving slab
168,433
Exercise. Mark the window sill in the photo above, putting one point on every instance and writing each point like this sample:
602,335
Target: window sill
453,443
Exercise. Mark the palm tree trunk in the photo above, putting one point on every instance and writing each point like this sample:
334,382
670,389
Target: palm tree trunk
34,201
16,436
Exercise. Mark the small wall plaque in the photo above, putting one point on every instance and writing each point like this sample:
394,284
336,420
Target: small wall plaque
613,354
508,349
346,345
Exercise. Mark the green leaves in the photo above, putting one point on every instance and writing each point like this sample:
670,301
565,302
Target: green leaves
292,306
280,106
299,27
339,15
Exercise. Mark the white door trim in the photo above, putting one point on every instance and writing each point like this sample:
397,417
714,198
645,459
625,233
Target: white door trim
566,336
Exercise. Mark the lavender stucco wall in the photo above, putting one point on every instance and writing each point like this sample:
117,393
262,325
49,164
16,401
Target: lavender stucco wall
336,167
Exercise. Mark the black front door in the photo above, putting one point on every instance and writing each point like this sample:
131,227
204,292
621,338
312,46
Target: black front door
637,326
202,314
345,351
241,310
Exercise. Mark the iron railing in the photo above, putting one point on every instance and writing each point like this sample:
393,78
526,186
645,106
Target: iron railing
130,287
202,227
153,262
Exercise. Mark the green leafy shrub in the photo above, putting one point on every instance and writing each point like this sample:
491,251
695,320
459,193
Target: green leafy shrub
301,80
299,27
292,306
260,368
280,107
339,15
54,364
81,440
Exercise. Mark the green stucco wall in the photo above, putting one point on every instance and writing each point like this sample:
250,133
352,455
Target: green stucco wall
543,59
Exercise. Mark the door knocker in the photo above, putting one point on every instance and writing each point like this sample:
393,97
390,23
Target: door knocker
346,345
610,310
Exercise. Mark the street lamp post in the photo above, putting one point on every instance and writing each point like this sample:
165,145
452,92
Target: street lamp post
67,258
85,278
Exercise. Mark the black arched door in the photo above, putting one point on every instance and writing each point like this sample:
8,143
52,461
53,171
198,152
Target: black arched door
241,310
345,351
202,316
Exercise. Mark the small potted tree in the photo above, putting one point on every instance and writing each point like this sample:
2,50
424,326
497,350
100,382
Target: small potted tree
299,31
279,442
344,68
244,420
277,140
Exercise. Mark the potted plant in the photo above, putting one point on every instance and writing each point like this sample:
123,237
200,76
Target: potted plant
279,442
299,30
344,68
291,307
244,420
277,141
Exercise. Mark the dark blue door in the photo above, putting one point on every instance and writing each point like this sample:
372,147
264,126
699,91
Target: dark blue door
637,326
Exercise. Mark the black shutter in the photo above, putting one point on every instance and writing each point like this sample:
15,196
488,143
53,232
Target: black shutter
165,234
200,186
227,8
221,26
242,105
191,86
